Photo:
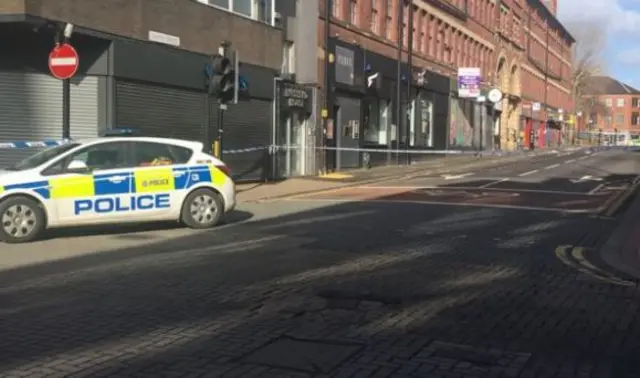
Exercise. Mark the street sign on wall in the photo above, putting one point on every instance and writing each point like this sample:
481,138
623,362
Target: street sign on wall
63,61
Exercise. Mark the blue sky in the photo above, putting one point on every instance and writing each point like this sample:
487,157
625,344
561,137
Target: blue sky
609,26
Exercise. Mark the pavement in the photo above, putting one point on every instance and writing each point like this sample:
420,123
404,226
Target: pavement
428,275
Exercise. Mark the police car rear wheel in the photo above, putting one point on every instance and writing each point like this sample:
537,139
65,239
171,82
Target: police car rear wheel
21,220
202,209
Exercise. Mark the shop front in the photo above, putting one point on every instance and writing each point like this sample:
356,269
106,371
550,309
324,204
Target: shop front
292,129
429,111
553,127
345,111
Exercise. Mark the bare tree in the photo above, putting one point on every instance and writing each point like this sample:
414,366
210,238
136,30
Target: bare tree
588,61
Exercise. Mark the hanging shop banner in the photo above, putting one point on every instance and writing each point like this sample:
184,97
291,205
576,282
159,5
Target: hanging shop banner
469,80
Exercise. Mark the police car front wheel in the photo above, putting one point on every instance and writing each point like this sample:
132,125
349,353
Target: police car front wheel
22,220
202,209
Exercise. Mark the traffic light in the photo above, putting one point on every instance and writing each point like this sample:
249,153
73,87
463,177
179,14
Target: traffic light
222,78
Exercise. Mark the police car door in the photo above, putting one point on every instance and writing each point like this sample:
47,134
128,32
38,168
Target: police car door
161,173
94,185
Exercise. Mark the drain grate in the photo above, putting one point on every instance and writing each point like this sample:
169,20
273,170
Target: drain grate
310,356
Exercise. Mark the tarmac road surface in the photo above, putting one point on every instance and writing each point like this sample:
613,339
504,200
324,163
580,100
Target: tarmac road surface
444,277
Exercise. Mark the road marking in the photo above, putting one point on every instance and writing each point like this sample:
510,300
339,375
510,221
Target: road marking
476,188
494,183
574,257
585,178
570,161
596,189
462,204
583,157
552,166
528,173
455,177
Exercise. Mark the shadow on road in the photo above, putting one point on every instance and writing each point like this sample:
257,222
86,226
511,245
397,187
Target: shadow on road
135,231
390,288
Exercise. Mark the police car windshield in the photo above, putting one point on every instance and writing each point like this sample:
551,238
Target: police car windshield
42,157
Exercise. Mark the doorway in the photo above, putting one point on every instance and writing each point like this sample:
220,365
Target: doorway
348,114
290,134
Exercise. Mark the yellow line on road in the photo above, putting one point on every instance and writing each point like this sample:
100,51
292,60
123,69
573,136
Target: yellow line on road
581,264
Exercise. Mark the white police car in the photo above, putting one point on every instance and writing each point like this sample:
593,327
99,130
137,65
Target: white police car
113,180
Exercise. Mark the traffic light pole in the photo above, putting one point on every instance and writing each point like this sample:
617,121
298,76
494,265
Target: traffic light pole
220,122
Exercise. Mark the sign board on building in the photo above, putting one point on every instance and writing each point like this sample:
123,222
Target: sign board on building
469,79
63,61
293,96
167,39
344,65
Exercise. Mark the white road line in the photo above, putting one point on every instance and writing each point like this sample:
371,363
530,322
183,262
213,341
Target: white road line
463,204
552,166
528,173
595,190
494,183
583,157
453,189
455,177
570,161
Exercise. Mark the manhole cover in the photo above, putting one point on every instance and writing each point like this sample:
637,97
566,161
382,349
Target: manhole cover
312,356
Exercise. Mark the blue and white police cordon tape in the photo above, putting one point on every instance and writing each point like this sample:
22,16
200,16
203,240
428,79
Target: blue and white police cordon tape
33,144
275,148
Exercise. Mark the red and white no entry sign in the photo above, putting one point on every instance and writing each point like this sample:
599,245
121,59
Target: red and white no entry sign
63,61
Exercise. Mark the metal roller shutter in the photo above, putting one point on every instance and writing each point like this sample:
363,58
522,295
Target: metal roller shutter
160,111
247,125
31,110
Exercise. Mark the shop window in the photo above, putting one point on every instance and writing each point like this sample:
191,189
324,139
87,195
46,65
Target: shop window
377,122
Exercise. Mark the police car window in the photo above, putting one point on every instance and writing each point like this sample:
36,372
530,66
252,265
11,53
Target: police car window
150,154
42,157
102,156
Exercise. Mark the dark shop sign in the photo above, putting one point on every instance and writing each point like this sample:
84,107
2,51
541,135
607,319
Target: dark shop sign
294,96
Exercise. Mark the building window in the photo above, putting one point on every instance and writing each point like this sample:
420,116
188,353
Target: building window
264,11
375,17
353,12
225,4
608,103
619,119
635,102
335,10
504,20
405,35
635,118
260,10
620,102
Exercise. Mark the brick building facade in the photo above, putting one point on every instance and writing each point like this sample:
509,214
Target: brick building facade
611,110
519,46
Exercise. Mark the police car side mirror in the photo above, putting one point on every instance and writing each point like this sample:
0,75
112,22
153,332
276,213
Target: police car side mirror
77,166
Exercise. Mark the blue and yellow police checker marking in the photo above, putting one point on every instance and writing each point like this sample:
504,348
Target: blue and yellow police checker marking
143,180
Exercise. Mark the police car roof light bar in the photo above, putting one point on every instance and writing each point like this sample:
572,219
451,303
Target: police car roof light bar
121,132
